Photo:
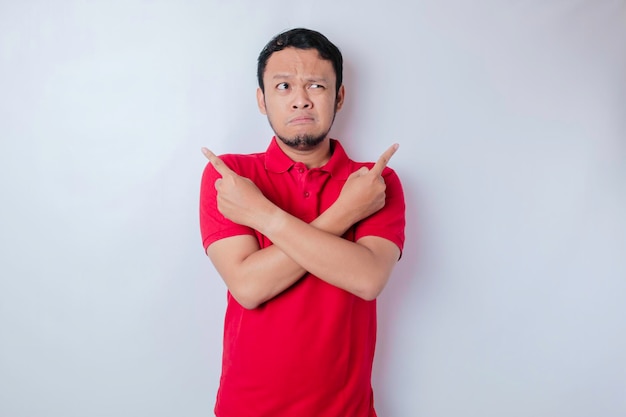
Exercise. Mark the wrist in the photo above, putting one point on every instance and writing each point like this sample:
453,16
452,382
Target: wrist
336,219
271,221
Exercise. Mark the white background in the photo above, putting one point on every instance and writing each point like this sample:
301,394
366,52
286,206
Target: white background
511,117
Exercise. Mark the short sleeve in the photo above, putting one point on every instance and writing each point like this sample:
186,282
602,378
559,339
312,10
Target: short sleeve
388,222
213,225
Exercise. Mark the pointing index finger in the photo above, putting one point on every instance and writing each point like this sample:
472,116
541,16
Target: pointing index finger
384,159
217,163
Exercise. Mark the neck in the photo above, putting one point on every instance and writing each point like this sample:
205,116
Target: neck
312,158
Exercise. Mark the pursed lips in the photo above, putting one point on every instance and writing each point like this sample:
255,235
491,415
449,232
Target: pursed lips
301,120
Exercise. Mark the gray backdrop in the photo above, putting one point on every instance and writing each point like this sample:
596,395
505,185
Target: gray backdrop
510,296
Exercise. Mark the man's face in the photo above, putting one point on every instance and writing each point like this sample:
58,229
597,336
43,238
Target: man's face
300,100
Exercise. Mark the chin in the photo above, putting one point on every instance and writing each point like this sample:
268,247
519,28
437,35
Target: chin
303,142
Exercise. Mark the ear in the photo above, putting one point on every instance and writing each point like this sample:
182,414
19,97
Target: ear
260,101
341,95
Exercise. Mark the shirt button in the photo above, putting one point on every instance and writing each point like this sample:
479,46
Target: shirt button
306,194
300,170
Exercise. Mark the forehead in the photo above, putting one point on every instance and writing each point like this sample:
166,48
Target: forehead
293,62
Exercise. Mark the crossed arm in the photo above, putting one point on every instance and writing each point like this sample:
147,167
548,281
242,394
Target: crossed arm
254,275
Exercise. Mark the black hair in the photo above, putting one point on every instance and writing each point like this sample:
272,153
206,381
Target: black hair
301,38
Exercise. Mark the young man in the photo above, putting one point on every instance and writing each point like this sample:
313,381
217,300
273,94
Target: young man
305,240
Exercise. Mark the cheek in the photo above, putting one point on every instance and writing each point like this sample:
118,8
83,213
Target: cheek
330,107
274,104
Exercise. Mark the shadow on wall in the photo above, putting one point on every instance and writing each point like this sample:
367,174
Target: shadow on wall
405,290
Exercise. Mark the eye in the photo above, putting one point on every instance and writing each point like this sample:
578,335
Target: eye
316,86
282,86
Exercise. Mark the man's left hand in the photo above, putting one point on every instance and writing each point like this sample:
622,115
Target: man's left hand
238,198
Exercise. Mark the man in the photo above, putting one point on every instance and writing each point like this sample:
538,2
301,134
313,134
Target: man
305,240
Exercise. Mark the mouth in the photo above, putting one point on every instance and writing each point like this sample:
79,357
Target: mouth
301,120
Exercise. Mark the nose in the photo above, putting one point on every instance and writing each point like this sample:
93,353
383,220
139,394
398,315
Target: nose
301,99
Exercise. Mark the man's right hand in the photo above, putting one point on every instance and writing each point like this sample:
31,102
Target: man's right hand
363,194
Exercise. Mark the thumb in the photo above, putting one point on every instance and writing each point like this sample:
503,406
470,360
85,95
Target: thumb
360,172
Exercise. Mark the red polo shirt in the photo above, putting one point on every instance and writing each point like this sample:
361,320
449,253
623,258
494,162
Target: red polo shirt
308,352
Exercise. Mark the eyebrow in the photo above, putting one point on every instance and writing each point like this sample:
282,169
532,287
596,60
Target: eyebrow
308,79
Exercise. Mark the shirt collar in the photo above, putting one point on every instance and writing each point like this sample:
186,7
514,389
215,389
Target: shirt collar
338,165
